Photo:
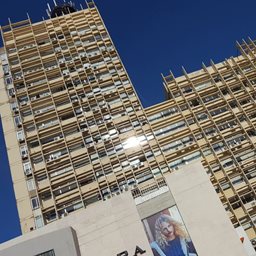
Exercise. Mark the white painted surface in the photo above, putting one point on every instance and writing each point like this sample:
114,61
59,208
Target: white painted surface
204,216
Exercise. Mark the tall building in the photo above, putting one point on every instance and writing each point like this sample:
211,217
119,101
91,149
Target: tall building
77,134
210,115
82,134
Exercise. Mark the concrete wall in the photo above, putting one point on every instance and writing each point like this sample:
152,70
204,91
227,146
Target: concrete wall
156,204
106,228
113,226
204,216
62,241
15,162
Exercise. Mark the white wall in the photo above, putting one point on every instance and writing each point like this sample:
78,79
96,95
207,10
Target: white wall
204,216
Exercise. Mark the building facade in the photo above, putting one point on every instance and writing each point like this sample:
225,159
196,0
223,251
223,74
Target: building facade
76,132
82,134
210,115
122,226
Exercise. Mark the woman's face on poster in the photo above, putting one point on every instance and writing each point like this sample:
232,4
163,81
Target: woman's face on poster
167,230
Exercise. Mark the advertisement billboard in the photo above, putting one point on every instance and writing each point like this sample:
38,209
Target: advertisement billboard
167,234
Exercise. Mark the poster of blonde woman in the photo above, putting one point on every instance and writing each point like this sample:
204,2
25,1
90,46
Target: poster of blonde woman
167,234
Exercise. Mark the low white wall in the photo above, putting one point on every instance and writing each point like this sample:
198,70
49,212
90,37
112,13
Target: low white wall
103,229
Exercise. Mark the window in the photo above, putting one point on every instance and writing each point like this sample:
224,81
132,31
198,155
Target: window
39,222
34,143
26,113
156,171
191,157
14,106
6,69
149,154
170,128
187,89
34,202
202,116
31,184
218,111
227,163
29,127
20,136
48,253
118,147
94,157
24,151
135,163
11,92
210,98
37,159
59,172
237,180
224,185
194,102
41,178
17,121
218,146
202,85
27,168
8,80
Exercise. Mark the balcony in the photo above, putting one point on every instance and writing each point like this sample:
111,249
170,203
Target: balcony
47,203
239,212
89,187
228,193
249,206
43,184
39,166
79,152
72,194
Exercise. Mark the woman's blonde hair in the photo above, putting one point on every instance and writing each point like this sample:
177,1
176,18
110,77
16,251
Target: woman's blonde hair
179,231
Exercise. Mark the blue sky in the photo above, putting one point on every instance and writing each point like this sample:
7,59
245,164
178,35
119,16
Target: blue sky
152,37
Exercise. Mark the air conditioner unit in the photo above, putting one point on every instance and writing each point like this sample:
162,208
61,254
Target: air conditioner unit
15,110
24,156
21,140
28,171
64,214
51,157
